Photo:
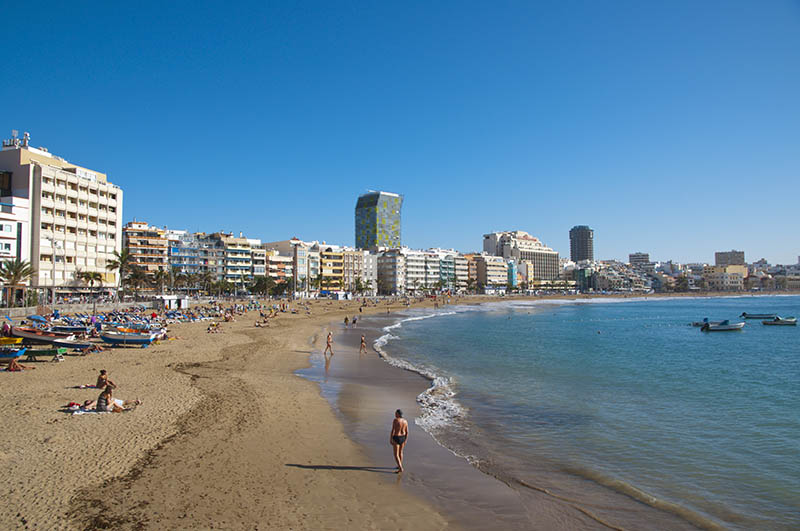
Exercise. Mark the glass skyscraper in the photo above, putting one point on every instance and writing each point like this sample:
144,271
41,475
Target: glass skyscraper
378,220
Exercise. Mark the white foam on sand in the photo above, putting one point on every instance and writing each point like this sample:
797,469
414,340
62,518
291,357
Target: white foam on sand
438,403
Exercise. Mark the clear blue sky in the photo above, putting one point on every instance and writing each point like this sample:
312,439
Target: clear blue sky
670,128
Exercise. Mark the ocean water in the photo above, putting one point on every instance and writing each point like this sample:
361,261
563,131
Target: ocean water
622,395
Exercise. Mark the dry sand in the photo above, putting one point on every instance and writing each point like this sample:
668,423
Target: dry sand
227,437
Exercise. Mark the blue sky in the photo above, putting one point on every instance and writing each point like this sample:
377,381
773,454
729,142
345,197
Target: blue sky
671,128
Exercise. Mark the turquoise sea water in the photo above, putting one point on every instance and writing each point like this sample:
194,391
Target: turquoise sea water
623,394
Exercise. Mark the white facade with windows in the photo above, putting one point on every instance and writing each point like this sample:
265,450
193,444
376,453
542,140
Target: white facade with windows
74,215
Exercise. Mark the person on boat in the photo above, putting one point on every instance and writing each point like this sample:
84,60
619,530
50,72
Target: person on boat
398,438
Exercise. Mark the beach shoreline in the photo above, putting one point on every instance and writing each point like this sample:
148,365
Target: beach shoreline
364,390
171,463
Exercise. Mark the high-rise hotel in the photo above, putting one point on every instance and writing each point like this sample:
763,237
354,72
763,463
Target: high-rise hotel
378,220
60,217
581,243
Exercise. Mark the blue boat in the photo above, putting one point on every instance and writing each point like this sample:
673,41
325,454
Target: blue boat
127,338
12,352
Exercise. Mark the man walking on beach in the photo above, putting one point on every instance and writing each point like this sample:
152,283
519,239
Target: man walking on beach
398,438
363,349
328,346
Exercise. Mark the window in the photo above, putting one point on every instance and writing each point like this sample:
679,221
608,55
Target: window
5,183
61,198
6,246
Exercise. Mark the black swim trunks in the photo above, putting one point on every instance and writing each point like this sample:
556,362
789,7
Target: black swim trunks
399,439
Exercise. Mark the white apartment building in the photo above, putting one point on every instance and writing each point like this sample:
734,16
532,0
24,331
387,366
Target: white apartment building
14,226
73,216
391,272
521,246
492,272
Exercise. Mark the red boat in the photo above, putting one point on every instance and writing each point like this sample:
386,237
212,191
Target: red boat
27,332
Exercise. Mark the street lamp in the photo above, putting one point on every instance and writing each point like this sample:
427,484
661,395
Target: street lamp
55,243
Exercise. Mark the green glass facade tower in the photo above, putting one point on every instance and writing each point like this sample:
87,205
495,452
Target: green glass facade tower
378,220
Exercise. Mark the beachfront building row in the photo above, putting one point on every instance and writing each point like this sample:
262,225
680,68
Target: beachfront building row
405,271
521,247
62,218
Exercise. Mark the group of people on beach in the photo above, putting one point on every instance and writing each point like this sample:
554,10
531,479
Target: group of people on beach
105,403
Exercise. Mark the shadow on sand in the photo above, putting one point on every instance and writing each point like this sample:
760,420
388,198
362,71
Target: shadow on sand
378,469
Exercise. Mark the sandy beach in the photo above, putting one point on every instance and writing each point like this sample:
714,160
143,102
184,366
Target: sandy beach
228,436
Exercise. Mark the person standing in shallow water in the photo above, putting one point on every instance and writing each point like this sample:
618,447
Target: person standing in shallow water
328,346
398,438
363,349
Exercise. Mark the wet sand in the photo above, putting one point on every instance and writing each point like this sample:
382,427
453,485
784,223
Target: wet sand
365,391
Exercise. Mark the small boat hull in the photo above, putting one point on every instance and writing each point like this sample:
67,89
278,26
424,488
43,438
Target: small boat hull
71,329
746,315
781,321
724,326
10,340
126,338
7,353
43,336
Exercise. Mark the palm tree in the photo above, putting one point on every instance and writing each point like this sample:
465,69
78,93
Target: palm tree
263,285
13,273
205,279
137,277
90,277
121,263
470,285
160,278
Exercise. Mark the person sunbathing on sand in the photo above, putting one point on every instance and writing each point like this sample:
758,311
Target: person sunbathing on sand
15,366
106,402
103,381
